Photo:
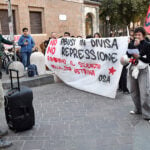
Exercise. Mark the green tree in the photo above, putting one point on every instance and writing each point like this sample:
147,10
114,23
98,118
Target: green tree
123,12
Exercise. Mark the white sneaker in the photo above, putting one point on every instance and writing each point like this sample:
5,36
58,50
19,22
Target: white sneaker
132,112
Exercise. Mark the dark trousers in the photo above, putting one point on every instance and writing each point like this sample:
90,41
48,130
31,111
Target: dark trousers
123,80
0,67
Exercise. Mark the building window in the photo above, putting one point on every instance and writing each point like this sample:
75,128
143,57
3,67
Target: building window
89,24
4,22
36,22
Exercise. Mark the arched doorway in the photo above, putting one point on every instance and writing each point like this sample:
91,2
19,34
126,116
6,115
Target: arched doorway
89,24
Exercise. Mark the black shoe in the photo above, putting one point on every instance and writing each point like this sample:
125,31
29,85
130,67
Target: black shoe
126,92
120,90
147,119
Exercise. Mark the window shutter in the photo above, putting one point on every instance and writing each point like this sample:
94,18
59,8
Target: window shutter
36,22
4,22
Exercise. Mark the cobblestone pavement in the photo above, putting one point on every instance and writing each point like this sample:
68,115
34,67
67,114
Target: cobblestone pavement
69,119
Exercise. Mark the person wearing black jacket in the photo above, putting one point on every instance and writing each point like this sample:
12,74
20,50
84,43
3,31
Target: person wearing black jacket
123,81
140,87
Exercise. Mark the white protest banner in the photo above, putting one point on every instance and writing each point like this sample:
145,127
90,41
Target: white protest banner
92,65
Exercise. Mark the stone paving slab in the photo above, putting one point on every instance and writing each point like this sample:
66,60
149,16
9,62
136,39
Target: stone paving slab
69,119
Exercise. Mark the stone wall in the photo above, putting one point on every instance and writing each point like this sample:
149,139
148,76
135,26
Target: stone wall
73,12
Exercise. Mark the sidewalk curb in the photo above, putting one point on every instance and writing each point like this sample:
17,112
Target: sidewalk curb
31,82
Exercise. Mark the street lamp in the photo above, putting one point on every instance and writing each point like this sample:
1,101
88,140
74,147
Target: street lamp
107,18
107,25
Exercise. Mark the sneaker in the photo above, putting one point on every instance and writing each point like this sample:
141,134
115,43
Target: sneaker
132,112
3,133
5,144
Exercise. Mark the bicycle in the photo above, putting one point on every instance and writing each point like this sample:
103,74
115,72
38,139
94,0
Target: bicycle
8,57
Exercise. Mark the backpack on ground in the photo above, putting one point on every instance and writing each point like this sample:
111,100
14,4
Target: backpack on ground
32,70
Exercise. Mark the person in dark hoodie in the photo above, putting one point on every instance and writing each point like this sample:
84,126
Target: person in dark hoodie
27,43
123,79
3,143
140,87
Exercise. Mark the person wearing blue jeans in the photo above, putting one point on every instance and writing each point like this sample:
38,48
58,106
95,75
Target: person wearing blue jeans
27,43
25,56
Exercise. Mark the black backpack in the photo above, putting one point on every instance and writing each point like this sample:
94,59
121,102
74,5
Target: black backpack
32,70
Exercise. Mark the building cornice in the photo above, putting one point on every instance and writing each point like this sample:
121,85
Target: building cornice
93,2
75,1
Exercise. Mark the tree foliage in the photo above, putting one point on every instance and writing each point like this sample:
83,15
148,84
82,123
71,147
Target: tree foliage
123,12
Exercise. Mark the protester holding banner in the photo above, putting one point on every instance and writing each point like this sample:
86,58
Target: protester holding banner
66,34
44,44
97,35
140,87
123,81
53,35
89,37
27,43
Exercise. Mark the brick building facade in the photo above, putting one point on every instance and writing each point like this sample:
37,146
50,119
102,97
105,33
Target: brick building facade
79,17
